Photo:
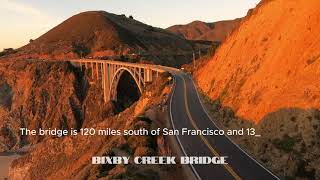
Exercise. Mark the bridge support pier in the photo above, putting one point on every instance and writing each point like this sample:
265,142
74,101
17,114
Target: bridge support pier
106,84
147,75
102,74
97,70
80,66
92,70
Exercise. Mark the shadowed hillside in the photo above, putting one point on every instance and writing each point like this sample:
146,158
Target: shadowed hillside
102,34
198,30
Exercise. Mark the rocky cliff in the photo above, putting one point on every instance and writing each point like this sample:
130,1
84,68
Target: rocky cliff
58,95
45,95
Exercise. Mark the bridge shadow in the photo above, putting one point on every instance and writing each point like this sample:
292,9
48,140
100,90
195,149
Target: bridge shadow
81,86
127,92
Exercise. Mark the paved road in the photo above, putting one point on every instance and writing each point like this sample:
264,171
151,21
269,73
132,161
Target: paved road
186,111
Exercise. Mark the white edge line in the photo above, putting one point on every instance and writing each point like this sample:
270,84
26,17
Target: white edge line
192,167
229,137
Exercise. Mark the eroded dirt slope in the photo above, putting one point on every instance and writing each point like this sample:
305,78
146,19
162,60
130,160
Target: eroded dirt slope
69,157
271,62
58,95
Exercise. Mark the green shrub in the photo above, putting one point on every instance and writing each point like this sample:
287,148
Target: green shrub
286,143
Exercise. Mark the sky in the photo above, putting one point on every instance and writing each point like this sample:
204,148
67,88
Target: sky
22,20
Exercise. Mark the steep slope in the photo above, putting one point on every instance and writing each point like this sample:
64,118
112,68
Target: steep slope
199,30
98,34
220,30
190,31
28,100
36,104
270,62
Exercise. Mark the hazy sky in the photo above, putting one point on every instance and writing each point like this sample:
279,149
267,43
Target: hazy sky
22,20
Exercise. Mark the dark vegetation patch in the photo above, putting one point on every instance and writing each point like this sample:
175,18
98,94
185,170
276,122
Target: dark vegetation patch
303,172
6,94
286,143
105,168
313,59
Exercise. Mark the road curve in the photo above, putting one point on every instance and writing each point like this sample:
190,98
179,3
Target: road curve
186,111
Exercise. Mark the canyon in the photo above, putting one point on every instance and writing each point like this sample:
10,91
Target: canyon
264,75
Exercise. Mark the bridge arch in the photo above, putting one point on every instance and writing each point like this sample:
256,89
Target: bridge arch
109,73
136,76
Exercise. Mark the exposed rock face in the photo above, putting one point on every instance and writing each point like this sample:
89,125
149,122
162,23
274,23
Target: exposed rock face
5,95
198,30
69,157
3,147
45,95
271,61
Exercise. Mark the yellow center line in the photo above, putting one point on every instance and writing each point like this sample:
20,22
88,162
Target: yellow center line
226,166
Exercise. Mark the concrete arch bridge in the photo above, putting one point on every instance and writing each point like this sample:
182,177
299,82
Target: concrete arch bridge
110,72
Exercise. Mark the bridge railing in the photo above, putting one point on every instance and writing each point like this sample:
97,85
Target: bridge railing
157,68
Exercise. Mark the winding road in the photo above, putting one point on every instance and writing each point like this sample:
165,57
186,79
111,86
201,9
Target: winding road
187,111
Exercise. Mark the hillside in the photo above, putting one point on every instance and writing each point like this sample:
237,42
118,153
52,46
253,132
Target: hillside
198,30
28,99
269,63
265,75
100,34
35,94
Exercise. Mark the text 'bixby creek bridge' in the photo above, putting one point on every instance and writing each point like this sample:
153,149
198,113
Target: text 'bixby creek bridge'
109,72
